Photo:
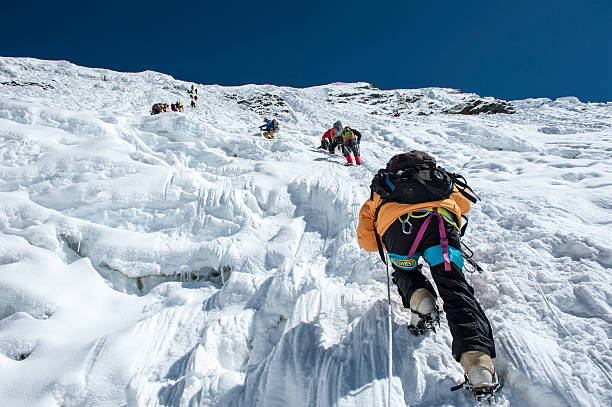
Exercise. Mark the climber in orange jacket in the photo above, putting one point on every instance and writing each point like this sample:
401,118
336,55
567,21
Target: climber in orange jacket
430,229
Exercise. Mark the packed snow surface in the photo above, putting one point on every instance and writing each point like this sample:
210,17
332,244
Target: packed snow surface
182,259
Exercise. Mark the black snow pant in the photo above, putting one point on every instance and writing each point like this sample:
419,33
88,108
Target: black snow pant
337,141
468,323
350,146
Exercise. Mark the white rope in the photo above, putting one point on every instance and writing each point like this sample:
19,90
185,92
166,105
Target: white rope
390,333
596,361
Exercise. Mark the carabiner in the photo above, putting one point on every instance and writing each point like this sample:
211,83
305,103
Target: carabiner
403,222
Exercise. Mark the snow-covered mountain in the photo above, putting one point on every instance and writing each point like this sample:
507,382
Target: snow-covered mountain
183,260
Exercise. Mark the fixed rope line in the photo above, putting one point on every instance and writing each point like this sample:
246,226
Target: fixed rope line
596,361
390,333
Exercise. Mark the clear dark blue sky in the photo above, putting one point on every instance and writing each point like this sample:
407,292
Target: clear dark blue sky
507,49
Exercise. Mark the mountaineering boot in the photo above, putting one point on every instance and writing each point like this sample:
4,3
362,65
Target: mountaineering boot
349,160
424,314
357,160
478,367
480,374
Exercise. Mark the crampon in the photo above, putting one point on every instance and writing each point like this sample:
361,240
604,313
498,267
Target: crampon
425,324
481,393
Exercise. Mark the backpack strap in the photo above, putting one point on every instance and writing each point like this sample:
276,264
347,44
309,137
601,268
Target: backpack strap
378,239
443,241
462,185
464,227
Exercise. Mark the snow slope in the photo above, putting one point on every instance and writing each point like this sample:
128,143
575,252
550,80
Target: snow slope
183,260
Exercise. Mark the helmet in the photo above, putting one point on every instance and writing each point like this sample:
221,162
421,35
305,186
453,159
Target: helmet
338,125
265,119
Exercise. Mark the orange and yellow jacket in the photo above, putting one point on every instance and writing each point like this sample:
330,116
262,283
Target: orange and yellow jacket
457,204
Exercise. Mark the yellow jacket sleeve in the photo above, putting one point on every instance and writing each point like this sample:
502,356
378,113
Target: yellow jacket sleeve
462,202
365,230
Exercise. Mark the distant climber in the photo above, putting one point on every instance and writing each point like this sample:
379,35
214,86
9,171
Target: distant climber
350,145
179,106
270,128
328,137
415,210
158,108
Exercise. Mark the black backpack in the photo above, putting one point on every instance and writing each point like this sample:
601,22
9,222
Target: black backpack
414,177
275,125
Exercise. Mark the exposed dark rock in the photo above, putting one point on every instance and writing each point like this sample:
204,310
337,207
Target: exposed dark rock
265,104
45,86
481,106
346,95
22,356
369,86
373,98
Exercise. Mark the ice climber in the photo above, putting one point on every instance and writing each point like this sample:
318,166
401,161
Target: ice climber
350,145
269,128
328,136
430,228
327,141
345,137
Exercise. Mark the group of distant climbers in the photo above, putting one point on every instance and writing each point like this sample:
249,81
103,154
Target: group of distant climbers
163,107
346,138
193,94
178,106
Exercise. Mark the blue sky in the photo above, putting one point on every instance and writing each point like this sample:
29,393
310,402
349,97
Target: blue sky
509,50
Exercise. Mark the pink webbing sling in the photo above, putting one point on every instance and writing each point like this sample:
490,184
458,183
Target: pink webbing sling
443,239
